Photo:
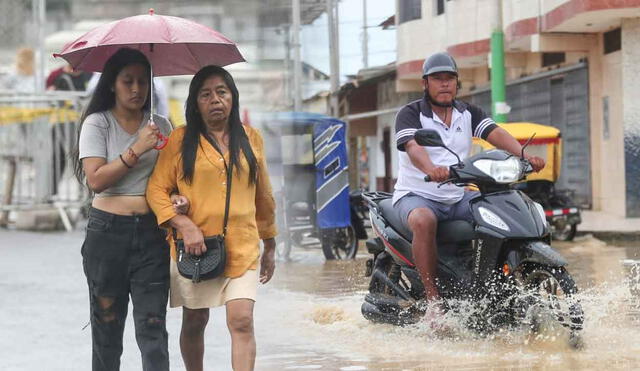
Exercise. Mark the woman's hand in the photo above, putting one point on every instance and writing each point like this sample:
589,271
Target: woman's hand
180,204
193,240
268,260
147,138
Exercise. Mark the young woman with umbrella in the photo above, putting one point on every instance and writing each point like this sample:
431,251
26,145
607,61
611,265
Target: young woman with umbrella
173,46
124,252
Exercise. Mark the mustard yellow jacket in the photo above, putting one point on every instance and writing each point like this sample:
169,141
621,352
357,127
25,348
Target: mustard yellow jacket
252,207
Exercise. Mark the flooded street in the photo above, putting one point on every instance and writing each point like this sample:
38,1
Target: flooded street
325,321
309,318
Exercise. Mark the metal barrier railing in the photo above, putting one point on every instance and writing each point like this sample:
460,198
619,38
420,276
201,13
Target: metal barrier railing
37,136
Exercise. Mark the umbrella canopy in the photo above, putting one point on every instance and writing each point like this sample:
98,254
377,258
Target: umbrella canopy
173,45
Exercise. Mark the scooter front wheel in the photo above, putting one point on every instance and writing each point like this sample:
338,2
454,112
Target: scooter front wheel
554,292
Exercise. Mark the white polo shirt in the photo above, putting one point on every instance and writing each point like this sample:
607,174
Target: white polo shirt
467,121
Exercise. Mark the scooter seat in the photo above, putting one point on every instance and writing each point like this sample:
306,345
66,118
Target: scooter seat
453,231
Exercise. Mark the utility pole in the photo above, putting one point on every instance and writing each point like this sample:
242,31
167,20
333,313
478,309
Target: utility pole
286,81
334,54
38,7
297,62
499,106
365,36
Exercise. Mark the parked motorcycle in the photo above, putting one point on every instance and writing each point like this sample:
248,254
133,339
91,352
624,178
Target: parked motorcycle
337,243
503,260
309,156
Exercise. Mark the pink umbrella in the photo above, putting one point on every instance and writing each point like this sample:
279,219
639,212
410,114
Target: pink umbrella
173,45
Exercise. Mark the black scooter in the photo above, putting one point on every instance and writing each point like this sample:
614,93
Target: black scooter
503,260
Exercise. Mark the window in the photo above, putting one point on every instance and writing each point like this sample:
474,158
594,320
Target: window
439,7
550,59
612,41
409,10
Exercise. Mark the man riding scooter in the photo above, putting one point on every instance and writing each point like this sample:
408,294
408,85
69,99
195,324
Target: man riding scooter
423,204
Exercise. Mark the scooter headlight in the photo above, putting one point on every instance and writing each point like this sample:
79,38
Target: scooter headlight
503,171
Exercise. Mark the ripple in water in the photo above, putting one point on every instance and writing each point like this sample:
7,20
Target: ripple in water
333,325
611,336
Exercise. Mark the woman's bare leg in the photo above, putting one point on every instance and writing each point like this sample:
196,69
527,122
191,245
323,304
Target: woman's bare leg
194,321
243,341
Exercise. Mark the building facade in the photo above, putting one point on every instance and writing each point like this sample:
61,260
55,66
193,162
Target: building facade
572,64
259,27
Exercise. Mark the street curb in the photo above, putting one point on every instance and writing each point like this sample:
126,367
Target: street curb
611,236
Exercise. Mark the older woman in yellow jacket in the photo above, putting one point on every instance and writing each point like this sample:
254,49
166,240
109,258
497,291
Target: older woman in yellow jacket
194,164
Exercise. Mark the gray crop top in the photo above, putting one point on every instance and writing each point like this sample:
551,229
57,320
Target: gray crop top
102,136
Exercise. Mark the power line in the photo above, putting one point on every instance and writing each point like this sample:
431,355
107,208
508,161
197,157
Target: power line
350,55
348,22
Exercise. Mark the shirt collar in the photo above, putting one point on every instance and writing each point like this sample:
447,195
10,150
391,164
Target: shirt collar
425,107
212,155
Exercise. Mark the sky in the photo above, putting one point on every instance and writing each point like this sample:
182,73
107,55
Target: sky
382,43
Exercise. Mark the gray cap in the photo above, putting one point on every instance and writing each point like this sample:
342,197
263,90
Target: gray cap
439,62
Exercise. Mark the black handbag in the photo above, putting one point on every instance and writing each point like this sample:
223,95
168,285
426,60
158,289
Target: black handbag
211,264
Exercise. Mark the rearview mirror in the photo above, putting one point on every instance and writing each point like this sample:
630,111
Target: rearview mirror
428,137
431,138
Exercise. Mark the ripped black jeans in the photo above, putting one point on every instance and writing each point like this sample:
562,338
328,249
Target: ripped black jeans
122,256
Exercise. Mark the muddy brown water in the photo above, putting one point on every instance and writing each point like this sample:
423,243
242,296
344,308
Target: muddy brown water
309,318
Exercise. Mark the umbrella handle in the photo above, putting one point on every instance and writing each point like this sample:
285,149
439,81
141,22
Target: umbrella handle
162,141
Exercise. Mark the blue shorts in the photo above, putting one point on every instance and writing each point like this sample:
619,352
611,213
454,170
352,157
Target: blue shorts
443,212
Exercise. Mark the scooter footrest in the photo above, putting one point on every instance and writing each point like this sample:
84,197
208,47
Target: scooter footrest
388,303
374,314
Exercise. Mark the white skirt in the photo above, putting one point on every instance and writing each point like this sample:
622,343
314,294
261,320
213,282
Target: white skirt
211,293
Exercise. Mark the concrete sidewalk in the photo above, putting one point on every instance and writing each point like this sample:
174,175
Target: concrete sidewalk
44,306
602,223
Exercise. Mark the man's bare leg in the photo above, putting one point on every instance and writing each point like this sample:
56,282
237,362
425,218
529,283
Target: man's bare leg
423,224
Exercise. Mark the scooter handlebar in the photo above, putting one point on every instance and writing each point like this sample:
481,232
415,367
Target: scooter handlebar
528,168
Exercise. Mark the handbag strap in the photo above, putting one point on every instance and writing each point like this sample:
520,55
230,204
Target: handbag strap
229,170
228,200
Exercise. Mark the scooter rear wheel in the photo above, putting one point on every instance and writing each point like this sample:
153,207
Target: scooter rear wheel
340,243
567,233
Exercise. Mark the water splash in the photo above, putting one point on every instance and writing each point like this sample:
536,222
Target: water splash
329,314
329,321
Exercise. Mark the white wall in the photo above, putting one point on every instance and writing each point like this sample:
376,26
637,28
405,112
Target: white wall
549,5
516,10
418,38
469,20
611,176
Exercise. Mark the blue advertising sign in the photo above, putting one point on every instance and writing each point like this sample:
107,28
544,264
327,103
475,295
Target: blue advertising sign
332,177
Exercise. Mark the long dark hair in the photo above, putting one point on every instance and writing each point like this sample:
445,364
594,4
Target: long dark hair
238,139
104,96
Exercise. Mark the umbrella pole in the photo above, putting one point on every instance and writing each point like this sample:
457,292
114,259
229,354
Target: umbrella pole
151,92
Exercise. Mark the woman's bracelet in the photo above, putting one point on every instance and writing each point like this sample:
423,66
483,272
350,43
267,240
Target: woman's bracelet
125,163
133,154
